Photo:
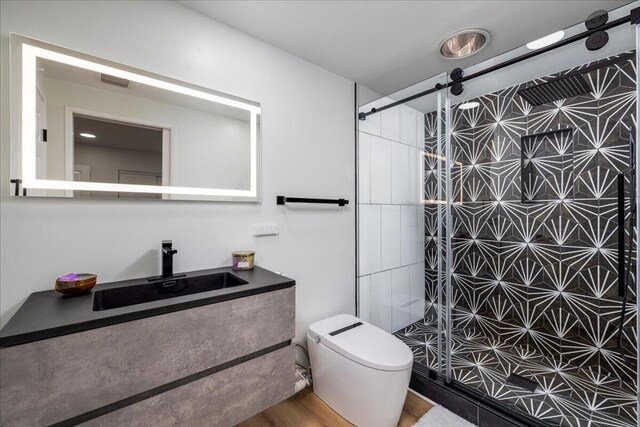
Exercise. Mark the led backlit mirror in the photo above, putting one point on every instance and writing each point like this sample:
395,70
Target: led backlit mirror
90,128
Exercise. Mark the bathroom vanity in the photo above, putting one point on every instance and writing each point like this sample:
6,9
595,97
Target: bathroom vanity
214,357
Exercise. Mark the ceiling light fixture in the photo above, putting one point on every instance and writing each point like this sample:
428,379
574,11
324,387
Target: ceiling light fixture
87,135
546,40
463,43
469,105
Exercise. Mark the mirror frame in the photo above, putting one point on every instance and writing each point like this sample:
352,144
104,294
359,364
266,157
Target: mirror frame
24,53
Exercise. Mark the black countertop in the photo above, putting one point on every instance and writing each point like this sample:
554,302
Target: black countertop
50,314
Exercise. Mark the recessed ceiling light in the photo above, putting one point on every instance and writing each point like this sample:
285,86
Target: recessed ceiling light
469,105
546,40
87,135
463,43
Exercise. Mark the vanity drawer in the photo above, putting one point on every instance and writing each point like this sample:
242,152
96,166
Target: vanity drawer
222,399
52,380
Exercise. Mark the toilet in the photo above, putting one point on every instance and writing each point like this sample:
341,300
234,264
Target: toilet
361,371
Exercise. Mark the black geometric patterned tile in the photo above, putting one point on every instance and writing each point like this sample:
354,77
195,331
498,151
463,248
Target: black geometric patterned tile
565,394
575,112
595,183
535,283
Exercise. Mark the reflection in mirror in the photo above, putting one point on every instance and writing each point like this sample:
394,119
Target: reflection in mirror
103,131
117,153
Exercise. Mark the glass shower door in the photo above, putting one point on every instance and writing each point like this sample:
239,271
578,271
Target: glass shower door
539,297
525,205
397,184
398,292
435,164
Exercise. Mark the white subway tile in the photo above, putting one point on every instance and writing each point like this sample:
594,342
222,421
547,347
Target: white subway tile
381,300
401,296
416,280
380,170
400,187
372,123
420,131
390,122
415,176
408,234
390,237
364,167
369,248
408,125
364,298
421,232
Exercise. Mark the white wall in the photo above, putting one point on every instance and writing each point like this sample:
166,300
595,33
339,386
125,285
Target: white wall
106,162
390,217
308,150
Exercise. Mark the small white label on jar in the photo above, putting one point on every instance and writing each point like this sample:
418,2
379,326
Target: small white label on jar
243,264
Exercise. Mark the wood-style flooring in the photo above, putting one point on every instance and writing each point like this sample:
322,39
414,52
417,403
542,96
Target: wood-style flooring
305,409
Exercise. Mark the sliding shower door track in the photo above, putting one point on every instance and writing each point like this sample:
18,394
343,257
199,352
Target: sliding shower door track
459,398
497,406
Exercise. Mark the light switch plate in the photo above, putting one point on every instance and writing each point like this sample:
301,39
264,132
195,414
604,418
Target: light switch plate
266,230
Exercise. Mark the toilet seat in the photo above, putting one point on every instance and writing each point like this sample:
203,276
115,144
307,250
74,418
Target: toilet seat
365,344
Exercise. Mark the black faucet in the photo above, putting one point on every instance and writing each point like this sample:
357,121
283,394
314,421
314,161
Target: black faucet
167,262
167,258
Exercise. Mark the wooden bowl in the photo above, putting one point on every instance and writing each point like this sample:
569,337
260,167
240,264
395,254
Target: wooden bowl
84,284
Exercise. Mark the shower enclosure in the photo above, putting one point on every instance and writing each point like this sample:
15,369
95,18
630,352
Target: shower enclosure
519,195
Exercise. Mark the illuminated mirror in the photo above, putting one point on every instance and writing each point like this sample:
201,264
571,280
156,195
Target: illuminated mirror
90,128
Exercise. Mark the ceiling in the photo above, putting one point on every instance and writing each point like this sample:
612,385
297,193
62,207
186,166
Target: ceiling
388,45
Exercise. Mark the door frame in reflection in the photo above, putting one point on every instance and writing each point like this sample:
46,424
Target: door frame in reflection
122,173
70,111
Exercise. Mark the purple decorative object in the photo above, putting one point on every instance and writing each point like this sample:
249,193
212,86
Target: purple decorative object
71,277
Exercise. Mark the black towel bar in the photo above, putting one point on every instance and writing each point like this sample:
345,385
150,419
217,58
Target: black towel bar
282,200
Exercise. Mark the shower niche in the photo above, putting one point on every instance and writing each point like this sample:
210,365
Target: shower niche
547,166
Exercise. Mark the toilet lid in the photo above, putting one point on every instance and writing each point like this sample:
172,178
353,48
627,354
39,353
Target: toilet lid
365,344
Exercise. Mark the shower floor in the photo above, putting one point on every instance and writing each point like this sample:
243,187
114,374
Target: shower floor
566,395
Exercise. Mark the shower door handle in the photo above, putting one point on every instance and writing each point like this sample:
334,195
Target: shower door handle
621,245
623,269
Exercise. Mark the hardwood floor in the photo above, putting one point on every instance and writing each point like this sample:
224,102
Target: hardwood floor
306,409
414,408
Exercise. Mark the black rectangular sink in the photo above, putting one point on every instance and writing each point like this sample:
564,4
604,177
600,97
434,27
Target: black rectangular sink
108,299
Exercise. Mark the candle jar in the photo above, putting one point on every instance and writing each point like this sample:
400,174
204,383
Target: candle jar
242,260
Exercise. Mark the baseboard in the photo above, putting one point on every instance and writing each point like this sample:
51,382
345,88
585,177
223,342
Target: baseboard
426,399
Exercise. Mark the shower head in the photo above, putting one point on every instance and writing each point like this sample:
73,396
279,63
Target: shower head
569,85
563,87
